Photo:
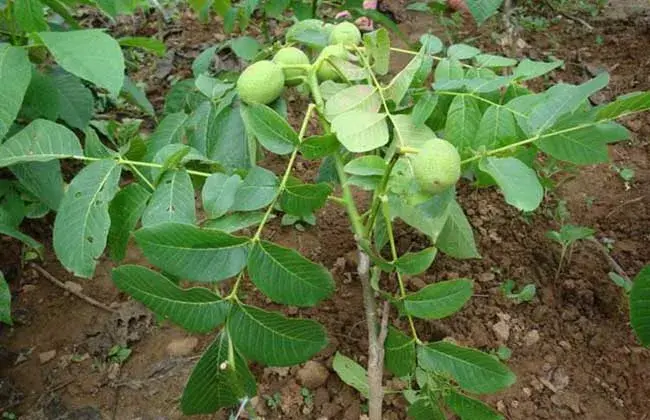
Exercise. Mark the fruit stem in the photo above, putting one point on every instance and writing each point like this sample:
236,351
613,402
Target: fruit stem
379,193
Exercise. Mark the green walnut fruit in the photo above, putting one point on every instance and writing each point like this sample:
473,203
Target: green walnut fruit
261,83
326,71
291,56
437,166
345,33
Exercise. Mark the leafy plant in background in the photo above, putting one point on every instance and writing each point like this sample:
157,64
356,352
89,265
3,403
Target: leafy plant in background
566,237
381,135
526,294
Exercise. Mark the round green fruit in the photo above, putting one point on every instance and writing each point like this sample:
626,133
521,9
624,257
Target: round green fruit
326,71
345,33
261,83
437,166
291,56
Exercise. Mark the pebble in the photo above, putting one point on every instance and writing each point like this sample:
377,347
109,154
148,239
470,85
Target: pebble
46,356
531,338
313,374
29,288
182,347
502,330
73,287
487,276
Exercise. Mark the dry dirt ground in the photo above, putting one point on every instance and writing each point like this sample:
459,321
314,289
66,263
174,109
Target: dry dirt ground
572,349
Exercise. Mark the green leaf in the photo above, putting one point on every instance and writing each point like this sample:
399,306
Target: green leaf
75,102
170,130
366,165
357,97
183,97
438,300
424,107
270,129
258,189
474,371
172,201
497,128
625,104
469,408
640,307
275,8
585,146
15,74
287,277
456,238
316,147
303,199
462,51
146,43
431,44
90,54
377,44
236,221
215,383
518,182
136,96
196,309
429,218
125,211
82,223
449,69
203,62
5,301
463,121
211,87
561,100
218,193
489,60
425,409
351,373
414,263
409,133
29,15
202,9
227,141
192,253
483,9
361,131
245,47
528,69
309,32
27,240
43,179
41,99
272,339
399,353
400,83
61,9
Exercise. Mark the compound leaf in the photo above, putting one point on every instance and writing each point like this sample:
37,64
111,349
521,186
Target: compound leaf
196,309
192,253
287,277
272,339
82,223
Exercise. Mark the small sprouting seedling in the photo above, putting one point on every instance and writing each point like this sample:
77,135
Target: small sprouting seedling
608,243
600,40
119,354
589,200
9,415
620,281
307,396
526,294
566,237
273,401
502,353
626,174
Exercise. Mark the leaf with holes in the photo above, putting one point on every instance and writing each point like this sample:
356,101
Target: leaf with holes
196,309
272,339
287,277
192,253
40,141
474,371
215,383
82,223
172,201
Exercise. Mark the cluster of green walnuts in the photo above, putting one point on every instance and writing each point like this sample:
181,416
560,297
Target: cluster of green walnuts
436,165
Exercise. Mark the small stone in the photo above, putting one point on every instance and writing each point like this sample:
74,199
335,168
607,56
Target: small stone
113,371
527,391
560,379
501,406
487,276
29,288
182,347
565,345
46,356
502,330
418,282
514,404
313,374
531,338
73,287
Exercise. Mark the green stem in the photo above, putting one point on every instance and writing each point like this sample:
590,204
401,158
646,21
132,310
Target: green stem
348,200
285,177
379,194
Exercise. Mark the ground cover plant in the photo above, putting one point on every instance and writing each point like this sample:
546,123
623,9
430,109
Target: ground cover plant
452,111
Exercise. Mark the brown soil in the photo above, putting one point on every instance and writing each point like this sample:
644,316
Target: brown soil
572,348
